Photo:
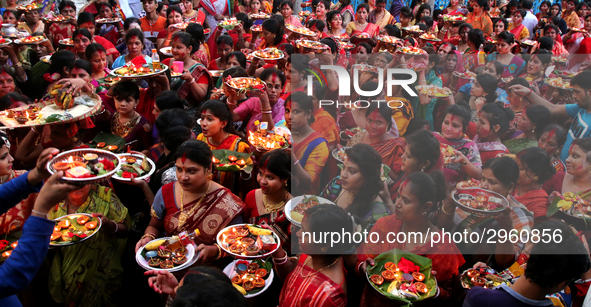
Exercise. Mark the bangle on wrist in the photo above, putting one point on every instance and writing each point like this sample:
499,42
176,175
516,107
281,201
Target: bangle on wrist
116,227
151,235
192,81
445,212
45,215
219,252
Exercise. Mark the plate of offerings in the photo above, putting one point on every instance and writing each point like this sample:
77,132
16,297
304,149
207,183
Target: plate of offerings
365,68
402,276
558,83
46,59
31,40
343,37
339,154
85,166
528,42
297,206
411,51
29,7
74,228
216,73
108,20
166,254
347,46
259,28
6,246
134,166
580,30
259,16
246,241
434,91
307,44
245,83
482,277
138,72
231,161
266,142
56,19
167,51
571,204
229,24
480,201
565,74
66,42
468,184
5,42
465,75
388,39
560,58
413,29
454,18
448,153
181,25
269,54
58,107
429,37
251,278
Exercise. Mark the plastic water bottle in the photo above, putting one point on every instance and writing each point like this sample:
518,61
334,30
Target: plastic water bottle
156,60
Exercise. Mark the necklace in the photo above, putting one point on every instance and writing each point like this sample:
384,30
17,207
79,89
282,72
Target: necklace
270,208
313,274
183,216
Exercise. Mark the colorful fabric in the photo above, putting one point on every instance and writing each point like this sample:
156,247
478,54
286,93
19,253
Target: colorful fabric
370,29
515,67
558,165
516,145
89,273
520,32
483,23
202,55
211,215
316,160
572,19
454,172
199,72
60,31
446,259
251,110
536,201
326,125
387,19
39,27
14,218
489,150
109,47
426,111
277,220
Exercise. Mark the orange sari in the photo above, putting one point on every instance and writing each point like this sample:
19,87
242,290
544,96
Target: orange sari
325,125
312,153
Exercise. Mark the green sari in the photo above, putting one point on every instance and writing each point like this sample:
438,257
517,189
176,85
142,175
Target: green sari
88,273
515,146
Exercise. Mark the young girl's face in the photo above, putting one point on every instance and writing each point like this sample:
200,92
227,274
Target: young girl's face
179,50
5,161
286,11
362,14
477,90
98,61
255,6
534,65
125,106
499,27
426,13
80,43
106,12
544,8
337,21
483,128
320,9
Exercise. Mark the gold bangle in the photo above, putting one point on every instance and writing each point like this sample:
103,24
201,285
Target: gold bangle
443,210
219,252
149,235
280,259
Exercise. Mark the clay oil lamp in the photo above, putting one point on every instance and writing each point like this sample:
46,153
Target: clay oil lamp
112,147
214,160
164,252
259,282
154,262
6,254
100,145
252,250
253,267
82,220
64,224
478,281
247,241
241,163
473,273
14,245
232,158
22,120
261,273
179,259
421,287
91,158
166,264
91,225
237,280
418,276
389,275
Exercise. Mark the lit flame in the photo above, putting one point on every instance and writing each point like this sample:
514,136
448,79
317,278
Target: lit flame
14,245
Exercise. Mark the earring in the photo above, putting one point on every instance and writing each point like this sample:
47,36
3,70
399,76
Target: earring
286,183
536,178
209,175
424,213
589,169
423,169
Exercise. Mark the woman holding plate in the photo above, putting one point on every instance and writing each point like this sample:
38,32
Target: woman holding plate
100,256
195,82
512,63
419,196
219,133
175,206
174,17
361,25
64,29
357,189
535,167
134,39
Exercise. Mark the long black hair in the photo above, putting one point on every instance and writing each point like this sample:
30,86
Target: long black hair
187,40
425,147
369,162
505,170
221,111
537,161
278,162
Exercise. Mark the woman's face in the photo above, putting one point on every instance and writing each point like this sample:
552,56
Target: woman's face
5,161
8,17
587,24
298,117
179,51
376,125
452,127
286,11
190,175
232,62
525,124
525,175
320,10
106,12
517,19
425,13
98,61
361,54
80,73
503,47
68,11
477,8
224,50
410,163
576,163
551,32
554,11
255,5
361,14
126,105
337,21
451,61
351,176
464,34
454,2
535,66
174,17
188,5
211,125
287,115
544,7
270,183
274,88
477,90
80,43
269,37
156,111
135,46
490,69
583,11
490,182
443,51
549,143
6,84
381,61
499,27
407,206
483,128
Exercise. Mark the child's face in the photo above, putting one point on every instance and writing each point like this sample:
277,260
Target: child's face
255,5
404,20
125,105
106,12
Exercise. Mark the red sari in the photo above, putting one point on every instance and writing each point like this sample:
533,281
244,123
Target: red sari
213,214
446,260
536,201
315,291
370,29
